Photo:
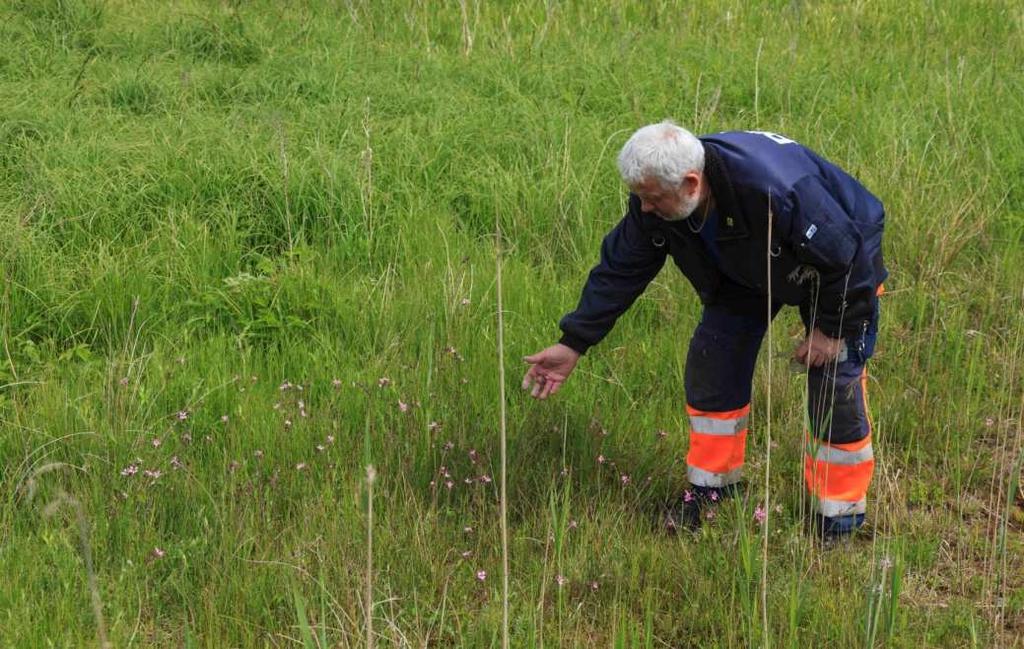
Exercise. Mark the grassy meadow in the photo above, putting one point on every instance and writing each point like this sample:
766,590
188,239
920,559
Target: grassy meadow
248,249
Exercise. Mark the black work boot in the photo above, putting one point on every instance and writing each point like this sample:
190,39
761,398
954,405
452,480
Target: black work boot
688,510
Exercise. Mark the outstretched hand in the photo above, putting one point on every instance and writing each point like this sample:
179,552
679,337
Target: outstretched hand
549,369
817,349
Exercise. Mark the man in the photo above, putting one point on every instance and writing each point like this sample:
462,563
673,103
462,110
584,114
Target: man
726,207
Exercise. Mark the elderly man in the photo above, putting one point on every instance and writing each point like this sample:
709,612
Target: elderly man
754,221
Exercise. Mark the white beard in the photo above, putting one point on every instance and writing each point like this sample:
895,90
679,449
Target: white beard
688,206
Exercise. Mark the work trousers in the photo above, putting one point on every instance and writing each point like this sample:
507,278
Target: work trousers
838,459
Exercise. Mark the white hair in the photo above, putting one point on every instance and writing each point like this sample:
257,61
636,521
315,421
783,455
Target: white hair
664,152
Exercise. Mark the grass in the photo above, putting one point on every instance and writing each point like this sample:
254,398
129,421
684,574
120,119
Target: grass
219,209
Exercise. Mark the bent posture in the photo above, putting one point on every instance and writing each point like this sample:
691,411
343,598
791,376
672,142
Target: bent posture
719,205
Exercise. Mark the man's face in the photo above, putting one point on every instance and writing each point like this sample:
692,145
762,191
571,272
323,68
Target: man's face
670,204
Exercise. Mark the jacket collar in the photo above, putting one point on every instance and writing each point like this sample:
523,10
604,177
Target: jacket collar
731,221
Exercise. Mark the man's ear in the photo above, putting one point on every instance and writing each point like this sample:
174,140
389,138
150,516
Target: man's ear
691,182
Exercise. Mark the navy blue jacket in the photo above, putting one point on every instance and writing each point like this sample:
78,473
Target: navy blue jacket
826,240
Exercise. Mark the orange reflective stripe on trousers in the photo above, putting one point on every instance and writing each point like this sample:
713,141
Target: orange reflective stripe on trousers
838,474
717,445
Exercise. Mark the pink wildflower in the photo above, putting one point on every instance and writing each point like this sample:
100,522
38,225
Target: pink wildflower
403,406
467,554
625,479
158,553
182,415
710,515
124,380
486,479
465,301
561,580
320,448
175,462
760,514
330,439
433,426
383,382
449,484
285,386
449,445
336,383
472,455
467,529
156,442
224,419
130,470
687,496
713,496
301,466
600,459
152,473
662,434
573,524
593,585
258,453
481,575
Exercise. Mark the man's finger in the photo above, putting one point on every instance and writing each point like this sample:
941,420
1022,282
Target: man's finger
552,388
800,354
536,389
547,389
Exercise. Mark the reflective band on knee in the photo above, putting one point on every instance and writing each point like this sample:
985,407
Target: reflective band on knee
717,445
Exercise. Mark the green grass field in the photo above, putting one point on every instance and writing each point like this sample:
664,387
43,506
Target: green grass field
249,249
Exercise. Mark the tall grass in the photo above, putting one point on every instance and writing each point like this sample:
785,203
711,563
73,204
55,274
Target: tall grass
247,249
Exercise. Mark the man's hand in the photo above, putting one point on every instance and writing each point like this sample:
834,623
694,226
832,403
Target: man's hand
817,349
549,369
